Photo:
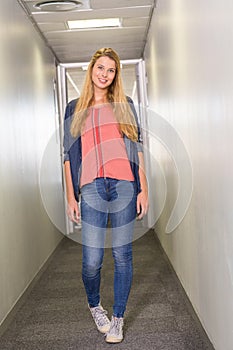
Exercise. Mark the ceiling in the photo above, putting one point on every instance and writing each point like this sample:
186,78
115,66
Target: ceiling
71,46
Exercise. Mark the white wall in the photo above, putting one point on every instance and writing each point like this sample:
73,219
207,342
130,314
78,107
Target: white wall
189,57
27,121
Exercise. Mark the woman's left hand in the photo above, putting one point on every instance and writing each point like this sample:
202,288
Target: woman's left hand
142,204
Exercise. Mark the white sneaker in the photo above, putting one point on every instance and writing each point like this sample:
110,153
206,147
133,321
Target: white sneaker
115,333
101,320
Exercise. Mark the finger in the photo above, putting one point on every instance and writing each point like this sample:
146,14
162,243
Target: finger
76,220
77,217
138,206
141,212
70,213
144,210
71,216
76,213
140,216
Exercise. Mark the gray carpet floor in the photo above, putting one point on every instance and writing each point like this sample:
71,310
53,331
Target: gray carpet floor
55,314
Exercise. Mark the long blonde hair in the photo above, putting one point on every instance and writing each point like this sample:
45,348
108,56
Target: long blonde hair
115,96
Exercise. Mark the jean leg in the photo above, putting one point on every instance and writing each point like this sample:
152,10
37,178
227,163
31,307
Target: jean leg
94,214
94,224
123,220
91,273
123,274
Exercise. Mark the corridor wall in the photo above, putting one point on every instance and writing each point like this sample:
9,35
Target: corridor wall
27,123
189,55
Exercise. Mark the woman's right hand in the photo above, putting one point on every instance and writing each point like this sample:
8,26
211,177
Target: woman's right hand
73,210
72,205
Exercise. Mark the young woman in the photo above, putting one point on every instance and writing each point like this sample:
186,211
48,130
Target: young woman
103,162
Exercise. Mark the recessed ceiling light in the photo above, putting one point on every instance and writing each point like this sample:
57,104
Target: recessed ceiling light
54,6
94,23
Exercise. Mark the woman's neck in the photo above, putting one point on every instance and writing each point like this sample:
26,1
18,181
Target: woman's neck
100,98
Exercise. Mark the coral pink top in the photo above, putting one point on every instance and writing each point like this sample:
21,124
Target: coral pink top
103,148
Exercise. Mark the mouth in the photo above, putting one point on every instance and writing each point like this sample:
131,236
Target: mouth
103,81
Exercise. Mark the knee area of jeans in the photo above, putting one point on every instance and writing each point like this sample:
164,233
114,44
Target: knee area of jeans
123,264
91,270
122,254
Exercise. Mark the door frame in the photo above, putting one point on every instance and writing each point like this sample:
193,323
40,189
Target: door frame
63,100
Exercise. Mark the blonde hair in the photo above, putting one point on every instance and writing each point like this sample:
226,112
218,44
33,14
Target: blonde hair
115,96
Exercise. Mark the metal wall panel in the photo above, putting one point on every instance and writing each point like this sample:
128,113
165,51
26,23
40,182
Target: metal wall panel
189,67
27,123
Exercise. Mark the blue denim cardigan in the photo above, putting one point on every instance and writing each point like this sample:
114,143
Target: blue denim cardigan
73,150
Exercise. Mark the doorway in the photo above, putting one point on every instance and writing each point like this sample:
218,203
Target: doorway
70,79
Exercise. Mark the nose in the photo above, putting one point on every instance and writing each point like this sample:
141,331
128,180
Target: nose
104,73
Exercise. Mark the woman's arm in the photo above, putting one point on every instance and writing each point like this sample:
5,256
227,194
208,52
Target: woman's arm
142,199
72,205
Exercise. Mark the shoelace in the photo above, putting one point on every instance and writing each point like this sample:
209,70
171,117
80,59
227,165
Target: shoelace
100,316
117,323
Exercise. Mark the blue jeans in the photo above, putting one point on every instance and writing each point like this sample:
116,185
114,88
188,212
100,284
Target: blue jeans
101,200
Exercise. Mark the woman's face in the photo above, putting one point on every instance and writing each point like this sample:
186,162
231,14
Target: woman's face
103,72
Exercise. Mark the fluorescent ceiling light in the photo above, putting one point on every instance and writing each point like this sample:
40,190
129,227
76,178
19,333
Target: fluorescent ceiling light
94,23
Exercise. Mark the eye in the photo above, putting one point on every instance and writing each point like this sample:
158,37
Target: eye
112,70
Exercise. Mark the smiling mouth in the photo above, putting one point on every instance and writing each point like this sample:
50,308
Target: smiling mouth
103,81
